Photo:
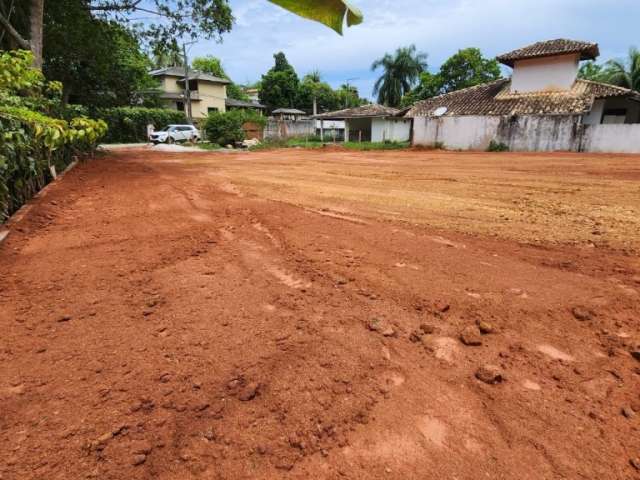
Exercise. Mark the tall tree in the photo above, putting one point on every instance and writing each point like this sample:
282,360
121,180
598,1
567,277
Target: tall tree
316,96
105,67
279,86
468,68
464,69
592,71
624,73
400,73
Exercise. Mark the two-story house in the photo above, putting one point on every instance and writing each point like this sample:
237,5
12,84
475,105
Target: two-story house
208,93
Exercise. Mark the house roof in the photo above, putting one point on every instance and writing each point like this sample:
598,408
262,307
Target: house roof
496,98
559,46
363,111
193,74
291,111
232,102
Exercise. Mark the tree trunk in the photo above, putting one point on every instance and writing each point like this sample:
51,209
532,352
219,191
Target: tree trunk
36,31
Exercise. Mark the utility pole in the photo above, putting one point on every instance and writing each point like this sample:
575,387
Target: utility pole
187,92
348,85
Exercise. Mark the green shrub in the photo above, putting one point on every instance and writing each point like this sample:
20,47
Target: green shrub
224,128
32,141
129,124
495,146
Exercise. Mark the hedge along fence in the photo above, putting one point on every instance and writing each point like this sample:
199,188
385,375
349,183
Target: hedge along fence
129,124
33,145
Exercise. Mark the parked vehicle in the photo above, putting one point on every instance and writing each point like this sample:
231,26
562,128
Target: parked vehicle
175,133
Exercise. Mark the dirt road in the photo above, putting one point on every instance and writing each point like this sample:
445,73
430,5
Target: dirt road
290,315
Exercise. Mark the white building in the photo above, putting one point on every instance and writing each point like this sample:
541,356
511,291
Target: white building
370,123
542,107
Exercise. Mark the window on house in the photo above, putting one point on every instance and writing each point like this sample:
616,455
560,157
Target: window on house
212,109
193,85
614,115
180,106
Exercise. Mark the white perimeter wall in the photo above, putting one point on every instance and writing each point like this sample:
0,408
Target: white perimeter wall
612,138
525,133
456,133
390,129
549,73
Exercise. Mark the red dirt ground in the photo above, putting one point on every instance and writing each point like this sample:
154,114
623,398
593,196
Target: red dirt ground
161,322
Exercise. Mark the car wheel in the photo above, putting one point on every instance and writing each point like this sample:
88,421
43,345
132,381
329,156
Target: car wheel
170,140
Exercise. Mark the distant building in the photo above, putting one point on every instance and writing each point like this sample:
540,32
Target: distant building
370,123
208,93
543,106
233,104
253,94
288,114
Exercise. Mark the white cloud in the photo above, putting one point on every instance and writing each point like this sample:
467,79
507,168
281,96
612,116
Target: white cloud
437,27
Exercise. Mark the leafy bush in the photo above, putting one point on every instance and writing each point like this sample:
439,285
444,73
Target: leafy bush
129,124
32,141
495,146
225,128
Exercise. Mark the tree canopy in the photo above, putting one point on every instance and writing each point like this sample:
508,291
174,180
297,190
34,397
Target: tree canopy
170,19
621,72
105,67
279,86
464,69
400,73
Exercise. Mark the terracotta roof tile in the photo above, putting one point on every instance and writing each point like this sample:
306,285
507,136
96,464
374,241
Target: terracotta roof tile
560,46
371,110
496,98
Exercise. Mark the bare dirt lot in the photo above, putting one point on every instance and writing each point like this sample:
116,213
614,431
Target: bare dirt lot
325,314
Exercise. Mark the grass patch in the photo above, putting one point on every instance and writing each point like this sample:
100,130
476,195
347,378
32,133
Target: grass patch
314,142
207,145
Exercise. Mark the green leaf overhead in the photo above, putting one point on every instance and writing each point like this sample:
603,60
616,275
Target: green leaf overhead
330,12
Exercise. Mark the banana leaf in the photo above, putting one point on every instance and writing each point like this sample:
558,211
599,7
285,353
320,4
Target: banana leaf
330,12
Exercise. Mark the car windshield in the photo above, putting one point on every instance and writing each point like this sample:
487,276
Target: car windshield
165,129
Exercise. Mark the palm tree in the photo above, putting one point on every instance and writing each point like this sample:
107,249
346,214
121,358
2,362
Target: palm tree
401,71
625,73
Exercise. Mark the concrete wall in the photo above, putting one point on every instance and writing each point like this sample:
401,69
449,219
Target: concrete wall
549,73
212,95
457,133
526,133
281,129
612,138
390,129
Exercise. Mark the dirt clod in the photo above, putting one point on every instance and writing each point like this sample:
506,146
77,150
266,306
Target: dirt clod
490,374
470,336
138,459
485,327
249,392
582,313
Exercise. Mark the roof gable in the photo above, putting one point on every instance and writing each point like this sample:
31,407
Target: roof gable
193,75
496,98
370,110
548,48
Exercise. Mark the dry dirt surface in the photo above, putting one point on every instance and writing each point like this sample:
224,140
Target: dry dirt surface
324,314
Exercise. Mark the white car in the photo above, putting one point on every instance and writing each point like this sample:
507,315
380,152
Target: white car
175,133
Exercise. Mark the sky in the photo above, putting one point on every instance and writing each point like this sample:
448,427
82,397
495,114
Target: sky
437,27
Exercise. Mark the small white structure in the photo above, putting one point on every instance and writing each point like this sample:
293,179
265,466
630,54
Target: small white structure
542,107
370,123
